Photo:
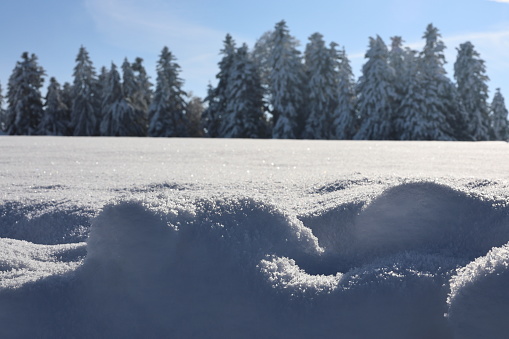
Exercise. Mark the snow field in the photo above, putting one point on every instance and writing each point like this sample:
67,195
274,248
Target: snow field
381,256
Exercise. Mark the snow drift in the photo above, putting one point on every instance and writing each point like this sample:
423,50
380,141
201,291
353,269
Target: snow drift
183,238
194,268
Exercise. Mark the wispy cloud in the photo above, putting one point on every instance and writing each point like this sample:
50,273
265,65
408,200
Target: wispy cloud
145,27
501,1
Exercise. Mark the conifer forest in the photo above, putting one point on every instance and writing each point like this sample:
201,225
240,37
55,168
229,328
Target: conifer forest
273,90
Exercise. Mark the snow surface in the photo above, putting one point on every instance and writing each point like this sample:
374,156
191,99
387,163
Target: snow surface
214,238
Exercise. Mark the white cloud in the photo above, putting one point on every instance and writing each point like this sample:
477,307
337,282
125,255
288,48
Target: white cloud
501,1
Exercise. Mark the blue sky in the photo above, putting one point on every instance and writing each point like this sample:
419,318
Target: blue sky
195,29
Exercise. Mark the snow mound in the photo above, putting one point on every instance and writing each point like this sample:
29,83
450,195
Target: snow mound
172,263
479,297
429,218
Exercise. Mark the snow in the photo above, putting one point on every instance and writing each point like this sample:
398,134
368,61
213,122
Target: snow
214,238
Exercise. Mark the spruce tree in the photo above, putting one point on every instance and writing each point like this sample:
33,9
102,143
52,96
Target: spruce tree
217,96
286,85
244,115
142,80
56,118
471,78
194,116
111,124
344,119
85,111
167,113
499,123
440,108
3,116
210,118
376,94
135,101
25,108
321,78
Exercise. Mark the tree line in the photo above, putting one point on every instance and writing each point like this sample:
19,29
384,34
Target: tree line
273,91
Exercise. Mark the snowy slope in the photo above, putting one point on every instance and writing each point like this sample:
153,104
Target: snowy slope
201,238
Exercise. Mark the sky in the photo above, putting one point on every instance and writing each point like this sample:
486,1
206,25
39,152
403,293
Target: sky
194,30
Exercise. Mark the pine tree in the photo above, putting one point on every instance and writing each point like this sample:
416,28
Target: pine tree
66,97
499,123
85,112
56,118
344,119
244,116
111,106
210,118
144,96
286,85
3,117
441,105
135,100
376,94
410,124
321,77
25,108
471,78
217,97
194,112
167,113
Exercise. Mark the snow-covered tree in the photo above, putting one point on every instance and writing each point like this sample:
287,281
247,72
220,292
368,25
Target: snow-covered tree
144,96
321,80
120,115
210,117
85,111
167,113
286,84
56,118
66,97
3,116
471,78
135,98
344,119
111,105
217,96
432,118
376,94
244,114
409,123
499,123
25,108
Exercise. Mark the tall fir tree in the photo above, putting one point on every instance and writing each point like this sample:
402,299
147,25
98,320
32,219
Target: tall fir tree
344,117
471,79
440,108
376,94
135,101
217,96
167,113
210,118
120,116
110,124
56,118
144,92
499,123
25,107
85,111
195,110
3,116
286,85
321,80
244,114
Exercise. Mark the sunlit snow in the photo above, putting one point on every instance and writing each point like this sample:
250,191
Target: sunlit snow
216,238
